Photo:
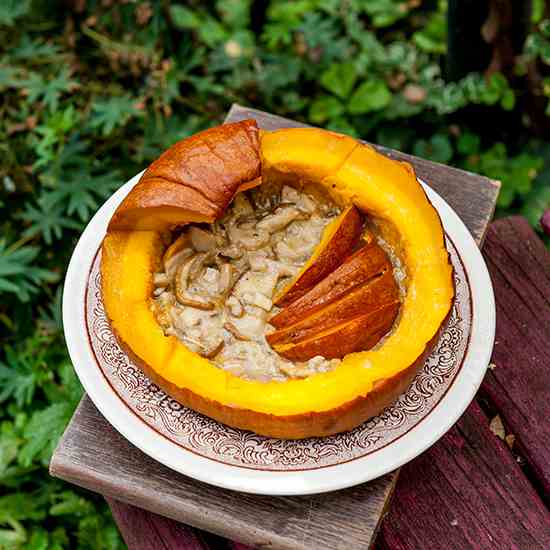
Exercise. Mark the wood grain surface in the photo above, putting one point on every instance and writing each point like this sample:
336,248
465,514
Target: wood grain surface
519,384
92,454
465,492
468,489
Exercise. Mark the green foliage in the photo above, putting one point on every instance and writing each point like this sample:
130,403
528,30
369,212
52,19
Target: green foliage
91,92
18,273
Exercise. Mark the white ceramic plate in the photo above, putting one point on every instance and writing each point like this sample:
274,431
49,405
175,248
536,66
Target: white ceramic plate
213,453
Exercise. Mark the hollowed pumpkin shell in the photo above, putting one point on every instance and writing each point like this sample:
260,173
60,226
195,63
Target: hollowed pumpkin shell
194,181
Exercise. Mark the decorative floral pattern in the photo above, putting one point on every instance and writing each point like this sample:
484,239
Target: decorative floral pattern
210,439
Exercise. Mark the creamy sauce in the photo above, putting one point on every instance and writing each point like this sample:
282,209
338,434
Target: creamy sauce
216,288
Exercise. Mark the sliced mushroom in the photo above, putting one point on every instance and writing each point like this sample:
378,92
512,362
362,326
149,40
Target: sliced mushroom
202,240
197,266
248,236
226,280
212,351
258,299
190,302
295,371
161,280
255,281
307,204
232,251
235,331
290,254
182,277
250,326
257,261
174,261
241,206
290,194
161,308
281,269
176,252
235,307
282,217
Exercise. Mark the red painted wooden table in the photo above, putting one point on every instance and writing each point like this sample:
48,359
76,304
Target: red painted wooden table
486,483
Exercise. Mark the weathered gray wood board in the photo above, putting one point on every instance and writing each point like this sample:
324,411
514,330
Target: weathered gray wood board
92,454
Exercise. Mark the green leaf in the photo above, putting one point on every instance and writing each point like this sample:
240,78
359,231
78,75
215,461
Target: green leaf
22,506
39,540
371,95
339,79
184,18
19,383
325,108
468,143
80,192
322,35
10,10
10,442
9,77
343,126
49,223
432,37
19,273
49,91
35,49
537,10
113,112
71,503
537,201
508,101
515,173
44,430
14,537
235,13
385,12
212,32
395,136
438,148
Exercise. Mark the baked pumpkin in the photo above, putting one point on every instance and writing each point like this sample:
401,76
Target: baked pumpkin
197,181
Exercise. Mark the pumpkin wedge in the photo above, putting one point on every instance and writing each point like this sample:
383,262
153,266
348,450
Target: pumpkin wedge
359,334
360,267
368,297
195,181
337,242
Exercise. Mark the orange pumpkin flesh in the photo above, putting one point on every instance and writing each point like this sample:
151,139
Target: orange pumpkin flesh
363,265
338,240
359,334
322,404
368,297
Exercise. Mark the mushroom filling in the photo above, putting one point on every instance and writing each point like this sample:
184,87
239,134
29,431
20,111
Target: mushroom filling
217,282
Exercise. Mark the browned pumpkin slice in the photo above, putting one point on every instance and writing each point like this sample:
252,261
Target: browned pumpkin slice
359,334
356,270
370,296
194,180
337,242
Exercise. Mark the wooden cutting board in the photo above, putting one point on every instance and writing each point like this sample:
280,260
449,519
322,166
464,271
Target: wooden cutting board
93,455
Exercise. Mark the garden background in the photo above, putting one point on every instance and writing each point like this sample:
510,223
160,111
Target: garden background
92,90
